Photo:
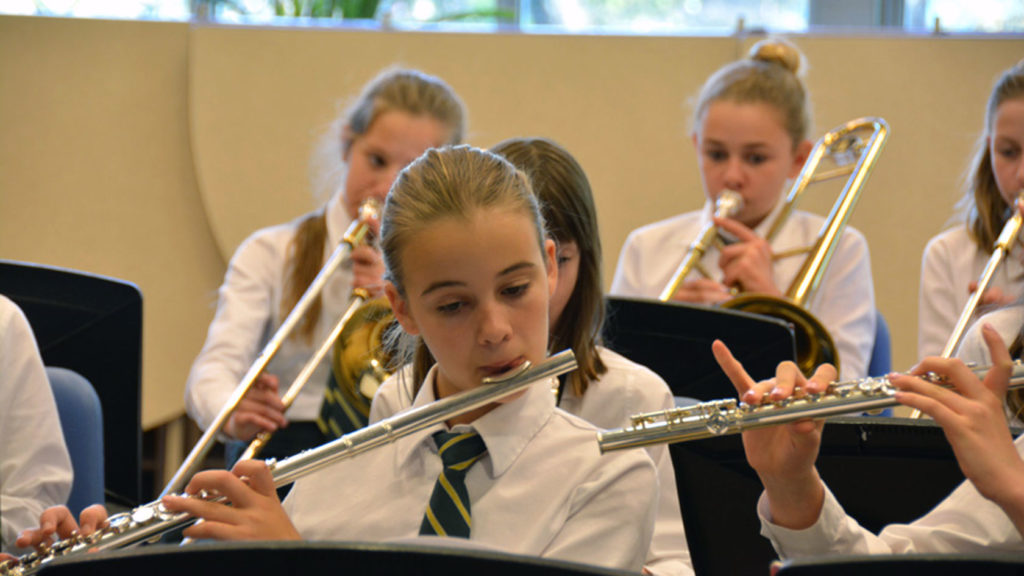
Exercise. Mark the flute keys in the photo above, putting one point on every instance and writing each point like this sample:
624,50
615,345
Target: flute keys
142,514
119,523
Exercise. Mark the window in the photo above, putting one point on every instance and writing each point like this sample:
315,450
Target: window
689,17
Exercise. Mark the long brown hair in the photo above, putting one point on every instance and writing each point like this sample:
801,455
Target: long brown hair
409,91
444,183
567,204
982,206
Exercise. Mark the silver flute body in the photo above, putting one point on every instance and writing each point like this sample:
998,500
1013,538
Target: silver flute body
721,417
149,521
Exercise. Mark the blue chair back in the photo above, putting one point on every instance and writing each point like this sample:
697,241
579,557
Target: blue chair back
880,363
81,417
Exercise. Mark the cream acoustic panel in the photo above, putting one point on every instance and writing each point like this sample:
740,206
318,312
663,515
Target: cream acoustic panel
148,151
261,98
96,175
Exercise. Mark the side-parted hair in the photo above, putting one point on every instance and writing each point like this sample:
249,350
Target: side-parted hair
567,203
443,183
402,90
771,75
982,206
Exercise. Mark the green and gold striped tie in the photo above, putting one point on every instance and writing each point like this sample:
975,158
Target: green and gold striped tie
337,415
448,513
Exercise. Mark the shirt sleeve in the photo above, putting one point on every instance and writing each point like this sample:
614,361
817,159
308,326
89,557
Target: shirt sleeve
627,280
937,303
847,309
245,306
965,522
669,553
35,470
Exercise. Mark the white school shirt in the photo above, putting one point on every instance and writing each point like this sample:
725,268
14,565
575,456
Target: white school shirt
35,470
951,262
249,313
844,301
626,389
543,488
965,522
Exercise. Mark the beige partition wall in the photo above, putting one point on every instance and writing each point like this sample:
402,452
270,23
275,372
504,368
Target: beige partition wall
147,151
96,175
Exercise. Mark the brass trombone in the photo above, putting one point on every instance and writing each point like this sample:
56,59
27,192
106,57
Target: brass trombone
853,149
356,234
1002,247
727,205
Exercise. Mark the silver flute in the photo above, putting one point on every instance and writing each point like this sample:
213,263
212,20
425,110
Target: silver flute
149,521
721,417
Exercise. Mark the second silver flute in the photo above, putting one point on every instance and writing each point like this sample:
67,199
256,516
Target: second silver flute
720,417
151,520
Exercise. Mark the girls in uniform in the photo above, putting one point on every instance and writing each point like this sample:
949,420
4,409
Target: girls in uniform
469,275
751,124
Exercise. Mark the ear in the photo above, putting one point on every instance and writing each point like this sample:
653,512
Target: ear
347,138
400,306
551,261
693,138
803,151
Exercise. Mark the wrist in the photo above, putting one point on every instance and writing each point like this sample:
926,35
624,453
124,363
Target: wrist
1008,493
795,501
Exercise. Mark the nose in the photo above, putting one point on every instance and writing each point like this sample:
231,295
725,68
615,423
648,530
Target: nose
495,326
381,187
733,176
383,181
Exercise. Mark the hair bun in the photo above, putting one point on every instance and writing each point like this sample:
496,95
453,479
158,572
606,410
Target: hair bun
778,51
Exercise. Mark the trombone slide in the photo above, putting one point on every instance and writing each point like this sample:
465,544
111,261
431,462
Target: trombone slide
356,234
1003,245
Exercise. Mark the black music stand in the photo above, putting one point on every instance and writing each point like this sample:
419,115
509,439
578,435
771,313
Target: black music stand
907,565
718,490
314,558
93,325
674,340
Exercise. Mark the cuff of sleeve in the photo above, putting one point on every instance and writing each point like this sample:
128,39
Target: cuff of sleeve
814,540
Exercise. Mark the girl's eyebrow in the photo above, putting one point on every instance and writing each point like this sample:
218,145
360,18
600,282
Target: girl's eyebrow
449,283
441,284
747,146
516,267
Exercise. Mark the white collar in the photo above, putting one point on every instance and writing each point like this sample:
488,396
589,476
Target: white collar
506,430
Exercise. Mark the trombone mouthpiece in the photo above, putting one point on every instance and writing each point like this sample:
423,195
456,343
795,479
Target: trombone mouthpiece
370,208
728,204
